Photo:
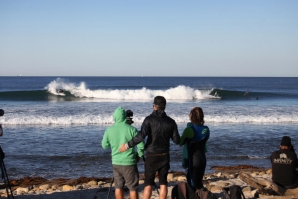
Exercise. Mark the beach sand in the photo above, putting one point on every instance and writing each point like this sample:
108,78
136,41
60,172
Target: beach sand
97,188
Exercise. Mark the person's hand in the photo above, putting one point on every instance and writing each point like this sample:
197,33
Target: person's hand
122,148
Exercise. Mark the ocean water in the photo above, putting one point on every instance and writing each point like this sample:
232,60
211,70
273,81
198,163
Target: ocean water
52,134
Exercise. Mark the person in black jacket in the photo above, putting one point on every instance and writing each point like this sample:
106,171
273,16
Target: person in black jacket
284,164
159,129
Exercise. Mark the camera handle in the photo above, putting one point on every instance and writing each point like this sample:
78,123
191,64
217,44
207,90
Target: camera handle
4,175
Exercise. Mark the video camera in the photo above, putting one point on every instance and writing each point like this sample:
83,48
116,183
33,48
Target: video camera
129,115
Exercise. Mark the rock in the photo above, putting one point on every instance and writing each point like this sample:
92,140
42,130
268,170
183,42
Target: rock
246,189
269,171
67,188
254,192
218,174
44,187
40,192
22,190
55,186
101,182
50,191
170,177
248,194
104,185
262,173
87,186
79,187
181,178
36,189
219,184
232,176
94,186
93,182
222,184
216,189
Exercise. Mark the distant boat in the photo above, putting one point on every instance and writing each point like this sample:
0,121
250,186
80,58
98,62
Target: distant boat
20,75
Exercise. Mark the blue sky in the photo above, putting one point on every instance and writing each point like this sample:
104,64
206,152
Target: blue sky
149,38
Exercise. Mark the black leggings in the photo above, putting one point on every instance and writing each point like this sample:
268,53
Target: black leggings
196,169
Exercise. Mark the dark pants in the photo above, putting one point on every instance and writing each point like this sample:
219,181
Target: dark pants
196,169
157,163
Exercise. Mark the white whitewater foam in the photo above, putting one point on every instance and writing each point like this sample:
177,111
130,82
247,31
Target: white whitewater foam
85,119
178,93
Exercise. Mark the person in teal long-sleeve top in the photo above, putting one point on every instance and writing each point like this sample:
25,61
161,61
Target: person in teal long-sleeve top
194,139
125,168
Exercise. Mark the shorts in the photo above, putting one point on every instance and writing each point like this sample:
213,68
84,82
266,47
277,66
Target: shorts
126,175
157,163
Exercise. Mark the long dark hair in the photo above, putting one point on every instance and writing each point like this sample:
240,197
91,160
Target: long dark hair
196,116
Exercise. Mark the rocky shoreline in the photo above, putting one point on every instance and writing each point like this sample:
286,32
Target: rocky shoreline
37,187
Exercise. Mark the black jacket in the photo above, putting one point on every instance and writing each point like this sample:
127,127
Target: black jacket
284,164
159,129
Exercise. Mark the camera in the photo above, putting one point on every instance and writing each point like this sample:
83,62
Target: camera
129,115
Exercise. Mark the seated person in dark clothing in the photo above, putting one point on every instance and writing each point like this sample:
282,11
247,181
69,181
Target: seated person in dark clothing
284,164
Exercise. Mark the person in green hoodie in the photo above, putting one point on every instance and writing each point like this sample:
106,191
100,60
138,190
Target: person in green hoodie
125,168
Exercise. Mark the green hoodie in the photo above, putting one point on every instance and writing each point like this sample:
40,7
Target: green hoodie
120,133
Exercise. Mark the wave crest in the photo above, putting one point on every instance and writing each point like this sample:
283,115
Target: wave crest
177,93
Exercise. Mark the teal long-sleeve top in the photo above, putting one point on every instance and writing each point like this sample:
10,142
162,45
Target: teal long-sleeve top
193,134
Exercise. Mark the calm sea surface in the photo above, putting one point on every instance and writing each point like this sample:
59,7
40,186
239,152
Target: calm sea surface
52,134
